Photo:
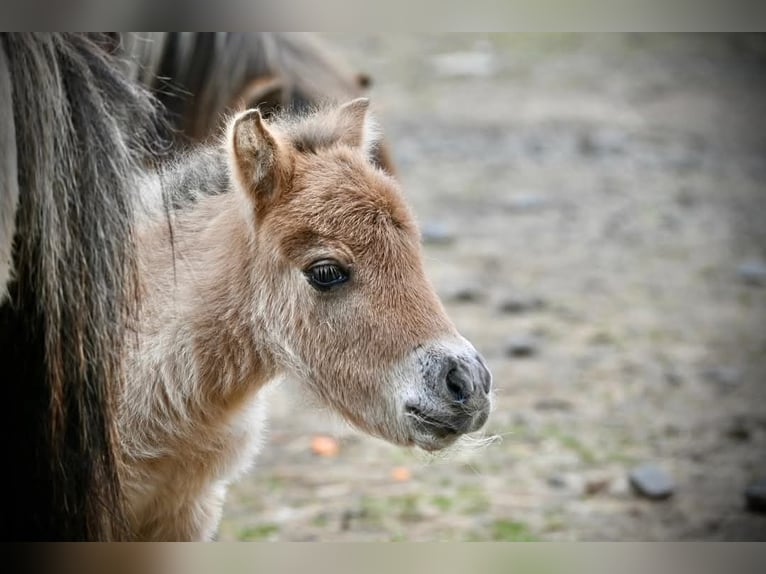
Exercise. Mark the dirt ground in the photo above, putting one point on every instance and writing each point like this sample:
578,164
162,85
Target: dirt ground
598,204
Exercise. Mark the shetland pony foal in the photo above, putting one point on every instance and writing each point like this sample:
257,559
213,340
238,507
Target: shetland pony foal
288,253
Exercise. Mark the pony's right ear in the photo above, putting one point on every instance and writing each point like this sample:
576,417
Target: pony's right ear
254,156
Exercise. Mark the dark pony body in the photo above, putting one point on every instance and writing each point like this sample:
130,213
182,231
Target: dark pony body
74,131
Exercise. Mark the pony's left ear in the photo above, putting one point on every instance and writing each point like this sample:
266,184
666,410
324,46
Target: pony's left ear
356,126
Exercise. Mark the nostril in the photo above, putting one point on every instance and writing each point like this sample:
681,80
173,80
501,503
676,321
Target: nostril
485,376
486,380
459,388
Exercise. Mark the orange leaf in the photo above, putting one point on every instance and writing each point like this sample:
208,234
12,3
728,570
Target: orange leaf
401,473
324,446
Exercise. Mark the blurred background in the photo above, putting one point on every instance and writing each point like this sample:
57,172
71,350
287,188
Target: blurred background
593,211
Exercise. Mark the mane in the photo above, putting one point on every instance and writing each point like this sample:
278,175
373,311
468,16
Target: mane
196,75
193,175
63,322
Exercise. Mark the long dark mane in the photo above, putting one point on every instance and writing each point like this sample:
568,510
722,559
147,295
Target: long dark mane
74,130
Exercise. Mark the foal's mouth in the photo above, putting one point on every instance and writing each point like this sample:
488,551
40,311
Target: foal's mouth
433,424
434,430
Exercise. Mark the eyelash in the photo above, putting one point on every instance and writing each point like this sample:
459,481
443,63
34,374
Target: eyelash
326,274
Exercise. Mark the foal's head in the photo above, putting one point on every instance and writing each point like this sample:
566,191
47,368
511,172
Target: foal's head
341,299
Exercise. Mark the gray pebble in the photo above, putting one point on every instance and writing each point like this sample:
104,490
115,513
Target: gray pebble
602,143
567,483
521,346
752,273
465,293
525,202
553,404
651,481
519,304
739,430
434,233
755,496
724,376
557,481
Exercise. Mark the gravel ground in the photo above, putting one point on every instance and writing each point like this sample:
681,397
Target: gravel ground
594,215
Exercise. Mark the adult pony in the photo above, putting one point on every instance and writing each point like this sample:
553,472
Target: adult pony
73,133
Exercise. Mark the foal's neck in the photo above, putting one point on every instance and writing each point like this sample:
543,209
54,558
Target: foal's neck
197,301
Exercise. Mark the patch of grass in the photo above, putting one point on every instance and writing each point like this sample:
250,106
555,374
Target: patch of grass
572,443
554,523
603,338
377,511
275,484
472,499
406,507
443,503
620,457
258,532
372,509
512,531
320,520
398,537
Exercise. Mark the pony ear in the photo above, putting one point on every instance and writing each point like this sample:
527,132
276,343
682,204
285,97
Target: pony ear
254,156
355,126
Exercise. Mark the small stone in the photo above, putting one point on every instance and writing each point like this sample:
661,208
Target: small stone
755,496
557,481
516,304
752,273
602,143
434,233
465,293
596,485
569,483
521,346
739,430
673,378
651,481
724,376
686,198
553,404
671,430
525,202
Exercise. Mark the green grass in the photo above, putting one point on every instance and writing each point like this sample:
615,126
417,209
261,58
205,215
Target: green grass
572,443
472,499
405,507
443,503
258,532
512,531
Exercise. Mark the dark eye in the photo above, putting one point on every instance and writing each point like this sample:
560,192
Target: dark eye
325,275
